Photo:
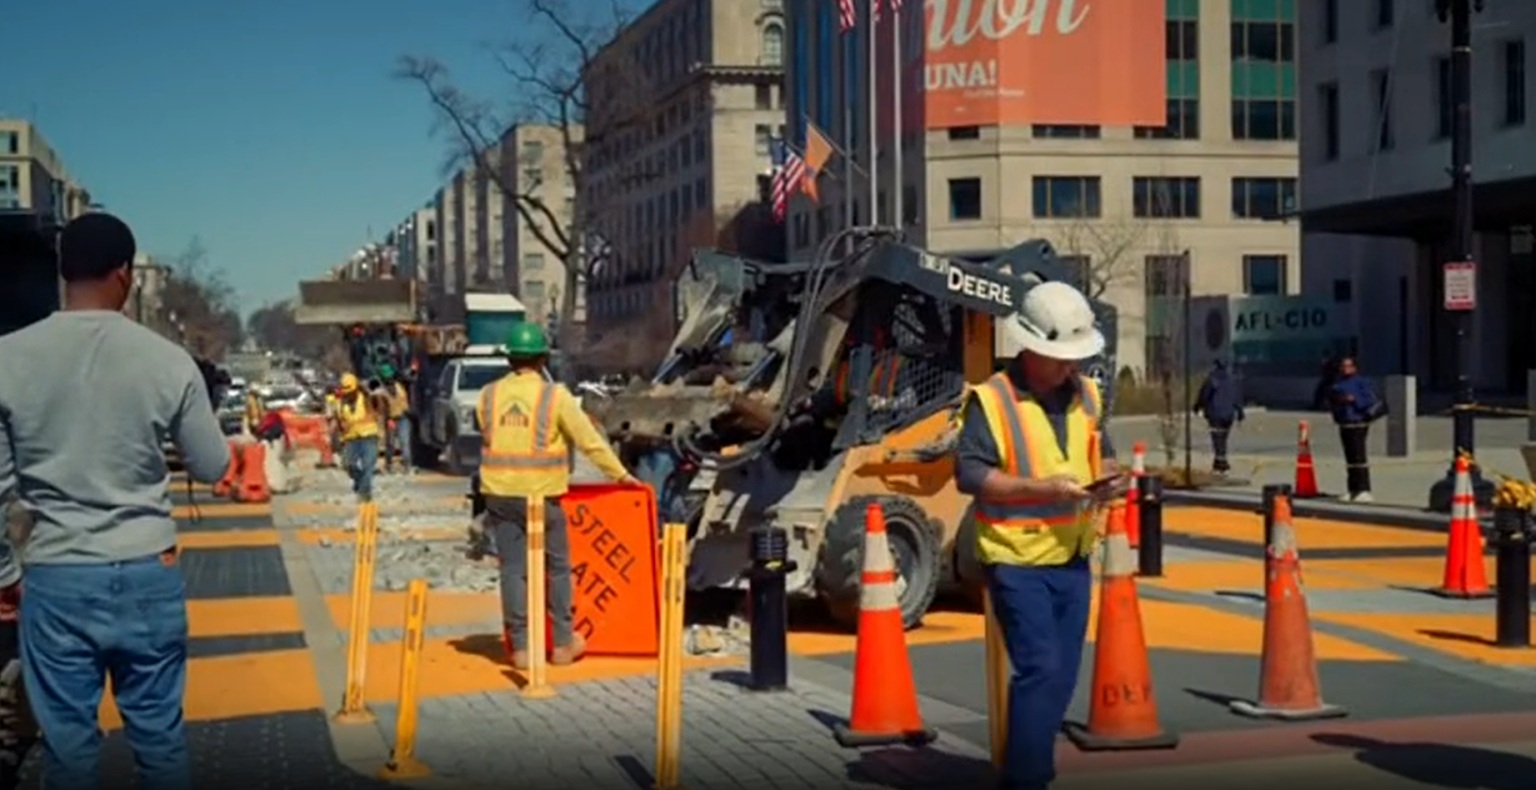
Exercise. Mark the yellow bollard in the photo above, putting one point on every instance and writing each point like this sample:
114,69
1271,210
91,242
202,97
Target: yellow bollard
354,705
402,760
669,669
538,609
997,683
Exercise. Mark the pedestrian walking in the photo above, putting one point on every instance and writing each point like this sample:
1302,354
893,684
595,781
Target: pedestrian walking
1030,450
80,447
1355,406
528,426
358,423
1220,402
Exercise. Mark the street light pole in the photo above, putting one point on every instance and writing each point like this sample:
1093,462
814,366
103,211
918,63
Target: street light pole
1463,248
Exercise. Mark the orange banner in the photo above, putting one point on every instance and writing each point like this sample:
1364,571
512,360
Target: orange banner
1004,62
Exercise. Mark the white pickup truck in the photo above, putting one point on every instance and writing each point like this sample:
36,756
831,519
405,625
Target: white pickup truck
448,427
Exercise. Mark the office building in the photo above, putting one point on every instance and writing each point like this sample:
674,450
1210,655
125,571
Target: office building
1121,202
533,164
692,91
416,245
449,276
33,179
1377,115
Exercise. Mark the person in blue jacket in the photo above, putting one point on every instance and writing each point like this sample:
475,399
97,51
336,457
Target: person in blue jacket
1221,403
1355,406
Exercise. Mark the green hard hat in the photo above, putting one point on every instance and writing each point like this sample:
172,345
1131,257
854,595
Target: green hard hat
386,371
527,340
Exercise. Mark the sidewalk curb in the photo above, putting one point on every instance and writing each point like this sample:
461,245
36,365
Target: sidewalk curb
1378,515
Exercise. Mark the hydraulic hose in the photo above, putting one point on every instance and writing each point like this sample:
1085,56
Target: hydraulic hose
866,239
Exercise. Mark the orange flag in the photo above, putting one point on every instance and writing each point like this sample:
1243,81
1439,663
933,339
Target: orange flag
818,150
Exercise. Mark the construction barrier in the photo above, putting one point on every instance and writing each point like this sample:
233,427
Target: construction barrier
354,706
537,686
614,567
997,670
225,487
402,759
669,670
253,486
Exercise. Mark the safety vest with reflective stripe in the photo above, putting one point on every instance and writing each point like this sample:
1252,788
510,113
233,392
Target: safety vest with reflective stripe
1034,532
883,384
358,421
520,435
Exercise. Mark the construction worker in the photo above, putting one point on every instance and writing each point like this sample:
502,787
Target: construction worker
527,428
399,429
85,415
255,411
1030,451
358,422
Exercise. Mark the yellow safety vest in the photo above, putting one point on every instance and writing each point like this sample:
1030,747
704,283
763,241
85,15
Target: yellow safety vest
399,401
1027,531
357,420
255,410
523,449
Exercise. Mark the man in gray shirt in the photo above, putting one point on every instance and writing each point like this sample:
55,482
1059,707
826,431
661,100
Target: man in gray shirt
86,398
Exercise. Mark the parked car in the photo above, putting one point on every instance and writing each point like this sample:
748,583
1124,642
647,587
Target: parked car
448,428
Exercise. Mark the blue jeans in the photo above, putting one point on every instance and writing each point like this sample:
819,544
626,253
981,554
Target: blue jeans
361,457
82,624
403,441
1043,614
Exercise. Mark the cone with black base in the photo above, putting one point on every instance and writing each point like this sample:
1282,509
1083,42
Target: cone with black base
1288,684
1122,714
1465,577
885,710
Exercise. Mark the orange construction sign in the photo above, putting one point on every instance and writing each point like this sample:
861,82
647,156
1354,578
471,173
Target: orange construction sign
612,530
1011,62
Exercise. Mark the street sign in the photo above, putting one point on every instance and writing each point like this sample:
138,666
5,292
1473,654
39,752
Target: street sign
1461,285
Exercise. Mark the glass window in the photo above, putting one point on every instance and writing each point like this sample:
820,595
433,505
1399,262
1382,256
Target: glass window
1329,100
1330,21
1078,132
1381,93
533,262
964,198
1385,11
1169,198
1183,122
1057,197
1264,275
1166,275
1514,82
764,134
1263,198
965,133
773,45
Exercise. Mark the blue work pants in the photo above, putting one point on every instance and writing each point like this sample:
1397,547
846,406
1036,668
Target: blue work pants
1043,614
361,457
82,624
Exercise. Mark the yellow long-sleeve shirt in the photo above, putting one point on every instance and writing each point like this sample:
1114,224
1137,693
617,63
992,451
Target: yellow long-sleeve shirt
572,428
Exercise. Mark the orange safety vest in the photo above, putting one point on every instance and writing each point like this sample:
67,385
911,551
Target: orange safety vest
516,442
1022,531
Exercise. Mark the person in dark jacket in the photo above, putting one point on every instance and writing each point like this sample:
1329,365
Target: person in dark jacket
1221,403
1354,406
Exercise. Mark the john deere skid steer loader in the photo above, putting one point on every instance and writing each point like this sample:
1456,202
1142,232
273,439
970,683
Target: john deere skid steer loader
817,389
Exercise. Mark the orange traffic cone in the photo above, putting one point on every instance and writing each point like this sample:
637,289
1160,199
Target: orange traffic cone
226,485
1464,573
327,453
1133,517
1288,684
884,693
253,474
1139,459
1306,473
1122,714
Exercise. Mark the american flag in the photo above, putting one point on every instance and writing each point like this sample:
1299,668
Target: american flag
788,172
847,15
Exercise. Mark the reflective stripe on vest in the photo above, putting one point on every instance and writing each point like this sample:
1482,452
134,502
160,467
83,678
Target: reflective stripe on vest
1024,458
884,383
537,452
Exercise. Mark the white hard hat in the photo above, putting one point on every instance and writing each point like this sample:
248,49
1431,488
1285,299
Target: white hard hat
1055,322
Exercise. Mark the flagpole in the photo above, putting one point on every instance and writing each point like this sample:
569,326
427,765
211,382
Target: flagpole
898,87
874,119
850,205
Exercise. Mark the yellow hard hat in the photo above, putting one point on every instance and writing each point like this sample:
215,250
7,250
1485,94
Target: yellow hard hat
348,382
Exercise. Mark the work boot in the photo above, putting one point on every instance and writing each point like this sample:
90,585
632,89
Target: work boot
564,655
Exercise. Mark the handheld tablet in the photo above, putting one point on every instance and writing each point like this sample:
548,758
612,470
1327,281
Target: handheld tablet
1104,484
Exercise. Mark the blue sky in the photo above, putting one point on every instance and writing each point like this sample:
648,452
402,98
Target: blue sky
271,131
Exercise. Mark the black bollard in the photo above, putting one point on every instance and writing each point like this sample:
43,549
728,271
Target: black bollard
1149,499
1512,577
1270,494
768,609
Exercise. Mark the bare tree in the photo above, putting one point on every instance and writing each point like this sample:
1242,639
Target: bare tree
552,68
1106,250
199,306
274,328
1168,279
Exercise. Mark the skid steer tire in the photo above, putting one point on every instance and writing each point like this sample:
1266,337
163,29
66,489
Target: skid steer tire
840,563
